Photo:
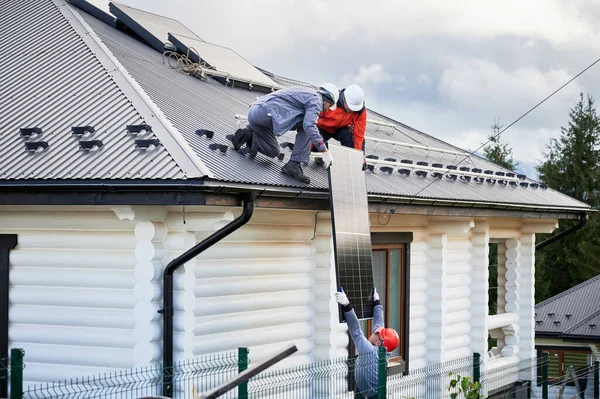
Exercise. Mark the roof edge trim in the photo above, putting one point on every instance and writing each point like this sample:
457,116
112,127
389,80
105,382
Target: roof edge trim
169,136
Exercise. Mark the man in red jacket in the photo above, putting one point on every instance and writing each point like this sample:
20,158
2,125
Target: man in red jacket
348,121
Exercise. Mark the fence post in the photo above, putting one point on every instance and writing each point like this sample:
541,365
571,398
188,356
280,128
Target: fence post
476,367
243,365
16,373
382,373
545,375
596,379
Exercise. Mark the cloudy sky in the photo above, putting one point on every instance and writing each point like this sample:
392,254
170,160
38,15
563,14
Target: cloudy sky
448,68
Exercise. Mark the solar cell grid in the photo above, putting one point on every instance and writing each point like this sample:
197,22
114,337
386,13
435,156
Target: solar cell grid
352,238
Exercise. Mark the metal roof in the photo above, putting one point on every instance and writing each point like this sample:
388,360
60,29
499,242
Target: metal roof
192,104
572,313
89,73
151,27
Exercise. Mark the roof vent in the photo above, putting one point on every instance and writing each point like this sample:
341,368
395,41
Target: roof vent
203,132
36,146
221,147
82,130
135,129
452,167
147,144
592,326
388,169
30,131
404,171
437,165
406,161
90,145
288,145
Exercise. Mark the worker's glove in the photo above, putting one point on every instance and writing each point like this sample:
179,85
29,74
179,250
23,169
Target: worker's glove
375,294
341,297
327,159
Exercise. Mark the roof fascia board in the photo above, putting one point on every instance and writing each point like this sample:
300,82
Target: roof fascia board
167,134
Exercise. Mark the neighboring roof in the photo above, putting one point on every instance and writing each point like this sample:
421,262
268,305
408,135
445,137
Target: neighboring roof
574,313
179,105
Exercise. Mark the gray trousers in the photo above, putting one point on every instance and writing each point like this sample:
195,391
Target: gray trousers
264,140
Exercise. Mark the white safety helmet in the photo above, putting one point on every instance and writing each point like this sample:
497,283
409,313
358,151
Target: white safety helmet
355,97
330,92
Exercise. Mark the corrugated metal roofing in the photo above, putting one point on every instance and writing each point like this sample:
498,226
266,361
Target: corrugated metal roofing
571,312
151,27
191,104
62,84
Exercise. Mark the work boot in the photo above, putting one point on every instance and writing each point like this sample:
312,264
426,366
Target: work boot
241,137
319,161
294,170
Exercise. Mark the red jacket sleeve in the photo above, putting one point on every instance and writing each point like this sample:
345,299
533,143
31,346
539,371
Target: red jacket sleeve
358,133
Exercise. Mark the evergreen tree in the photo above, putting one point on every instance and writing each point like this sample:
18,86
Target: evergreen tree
498,152
571,166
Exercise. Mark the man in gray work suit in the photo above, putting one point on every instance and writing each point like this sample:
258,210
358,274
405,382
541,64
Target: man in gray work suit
366,370
292,108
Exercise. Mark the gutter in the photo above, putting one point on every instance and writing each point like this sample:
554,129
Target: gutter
582,222
167,310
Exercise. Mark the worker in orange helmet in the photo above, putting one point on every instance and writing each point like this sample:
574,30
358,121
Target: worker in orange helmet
366,370
346,122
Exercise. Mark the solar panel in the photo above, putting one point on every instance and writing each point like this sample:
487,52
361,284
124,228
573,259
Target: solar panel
153,28
97,8
223,59
351,229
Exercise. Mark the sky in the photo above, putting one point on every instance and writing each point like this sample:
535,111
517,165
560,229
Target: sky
447,68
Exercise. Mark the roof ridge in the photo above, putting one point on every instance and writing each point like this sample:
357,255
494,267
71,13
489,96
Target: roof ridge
181,152
569,291
583,321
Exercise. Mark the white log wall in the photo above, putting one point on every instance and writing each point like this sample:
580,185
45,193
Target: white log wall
73,292
86,286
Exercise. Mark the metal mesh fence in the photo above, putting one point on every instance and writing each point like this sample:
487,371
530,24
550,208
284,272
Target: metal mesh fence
198,374
431,381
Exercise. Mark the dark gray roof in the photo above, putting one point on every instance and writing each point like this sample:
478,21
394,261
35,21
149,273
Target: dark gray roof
572,313
177,105
69,81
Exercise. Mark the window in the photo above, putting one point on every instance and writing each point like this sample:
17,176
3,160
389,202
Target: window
390,276
559,361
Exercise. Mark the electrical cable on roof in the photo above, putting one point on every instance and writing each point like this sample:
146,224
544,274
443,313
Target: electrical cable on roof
513,123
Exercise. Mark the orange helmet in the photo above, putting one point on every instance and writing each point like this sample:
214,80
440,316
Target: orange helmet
390,338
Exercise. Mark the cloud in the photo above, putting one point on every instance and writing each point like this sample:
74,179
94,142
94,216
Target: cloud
369,75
